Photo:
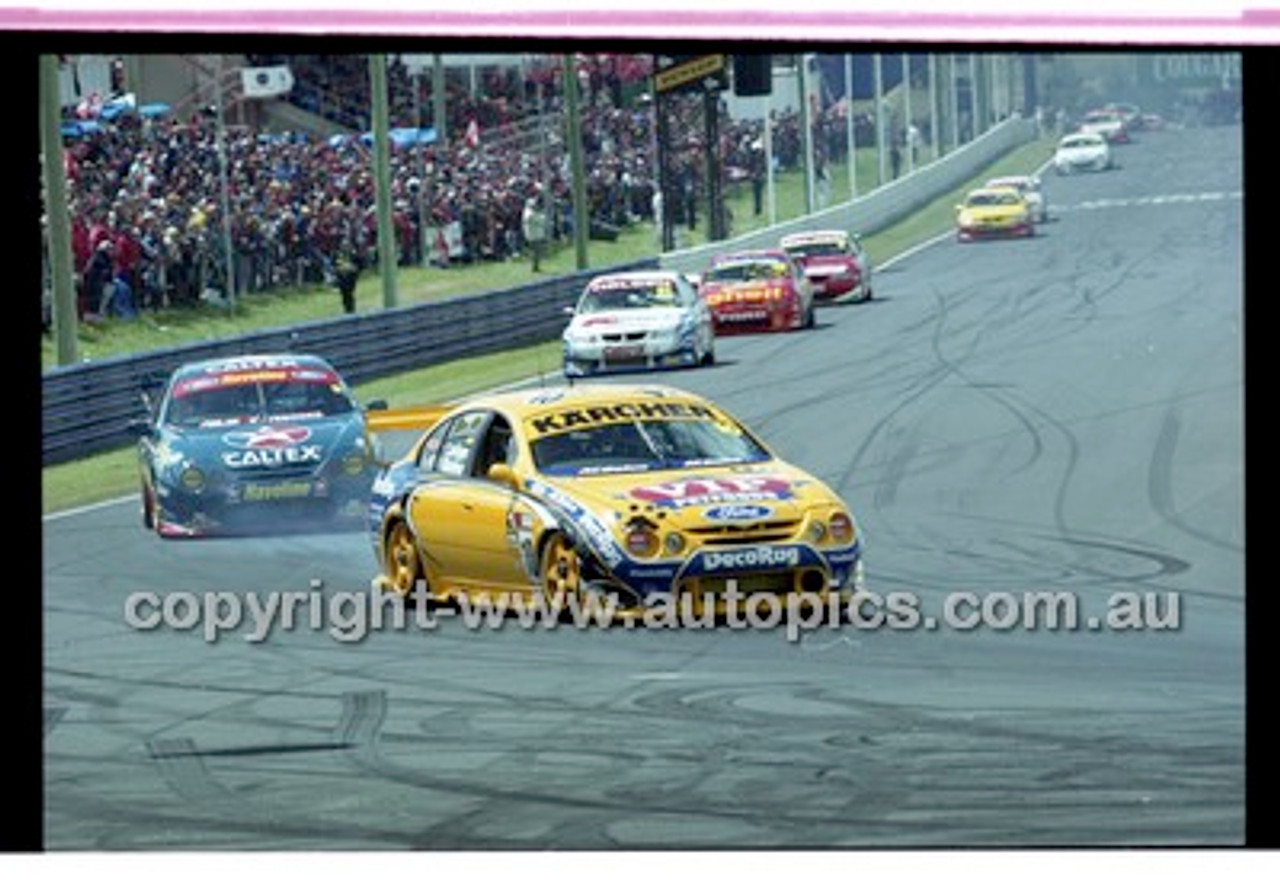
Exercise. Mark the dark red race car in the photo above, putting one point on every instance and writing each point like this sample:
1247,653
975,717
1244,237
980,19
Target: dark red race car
835,263
757,290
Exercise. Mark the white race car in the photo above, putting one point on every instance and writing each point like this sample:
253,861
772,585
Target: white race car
635,321
1110,125
1032,193
1082,151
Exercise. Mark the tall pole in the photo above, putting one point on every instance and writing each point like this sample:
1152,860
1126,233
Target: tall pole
382,177
770,188
423,245
220,130
58,225
933,106
955,101
438,118
878,70
850,137
910,120
806,129
574,140
715,198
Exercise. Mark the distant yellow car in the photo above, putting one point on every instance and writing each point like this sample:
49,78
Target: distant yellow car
637,493
994,212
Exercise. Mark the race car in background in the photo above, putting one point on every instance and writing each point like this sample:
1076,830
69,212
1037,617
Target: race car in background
834,262
1081,151
248,443
1129,113
1031,190
757,290
994,212
1110,125
638,321
627,492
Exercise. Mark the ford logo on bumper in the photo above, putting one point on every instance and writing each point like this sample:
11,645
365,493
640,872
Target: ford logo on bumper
737,513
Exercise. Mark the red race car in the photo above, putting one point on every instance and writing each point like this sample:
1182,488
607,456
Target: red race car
837,267
757,290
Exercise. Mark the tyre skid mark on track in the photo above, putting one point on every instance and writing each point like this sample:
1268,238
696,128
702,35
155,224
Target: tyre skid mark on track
1160,484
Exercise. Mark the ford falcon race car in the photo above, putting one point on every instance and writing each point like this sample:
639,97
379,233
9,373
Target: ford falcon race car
1030,189
1081,151
996,212
638,321
242,443
639,494
834,263
757,290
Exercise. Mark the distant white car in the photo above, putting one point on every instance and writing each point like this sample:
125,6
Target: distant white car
635,321
1082,151
1110,125
1031,190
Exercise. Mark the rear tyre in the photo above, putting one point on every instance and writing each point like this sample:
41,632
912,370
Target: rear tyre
402,564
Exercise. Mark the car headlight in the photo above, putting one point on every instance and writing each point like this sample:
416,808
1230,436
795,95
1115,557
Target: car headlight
353,463
841,527
192,479
641,541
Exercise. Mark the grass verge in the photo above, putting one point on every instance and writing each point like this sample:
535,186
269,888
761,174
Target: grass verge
115,474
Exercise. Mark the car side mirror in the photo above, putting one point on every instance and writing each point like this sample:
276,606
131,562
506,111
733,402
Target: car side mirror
140,427
377,405
503,475
568,310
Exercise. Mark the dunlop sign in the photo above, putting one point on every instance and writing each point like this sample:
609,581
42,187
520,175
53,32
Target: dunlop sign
689,72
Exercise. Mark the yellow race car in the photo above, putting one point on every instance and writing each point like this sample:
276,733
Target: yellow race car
637,494
994,212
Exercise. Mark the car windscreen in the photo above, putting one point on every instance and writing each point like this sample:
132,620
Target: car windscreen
816,248
218,403
645,445
620,297
991,200
758,270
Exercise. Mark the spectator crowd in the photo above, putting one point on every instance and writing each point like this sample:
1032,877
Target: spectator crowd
145,193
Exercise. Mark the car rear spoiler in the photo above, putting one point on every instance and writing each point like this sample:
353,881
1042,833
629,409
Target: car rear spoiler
418,417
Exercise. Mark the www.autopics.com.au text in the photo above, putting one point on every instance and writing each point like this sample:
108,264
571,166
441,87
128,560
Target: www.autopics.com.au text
350,616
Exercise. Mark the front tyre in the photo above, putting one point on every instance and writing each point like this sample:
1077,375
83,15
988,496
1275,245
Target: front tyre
560,572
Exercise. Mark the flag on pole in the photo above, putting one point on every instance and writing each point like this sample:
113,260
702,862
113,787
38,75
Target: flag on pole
266,82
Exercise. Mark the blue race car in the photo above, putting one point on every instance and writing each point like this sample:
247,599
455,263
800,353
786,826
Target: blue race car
249,442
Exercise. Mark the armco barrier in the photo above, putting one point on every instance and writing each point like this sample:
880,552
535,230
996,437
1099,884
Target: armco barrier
86,408
878,209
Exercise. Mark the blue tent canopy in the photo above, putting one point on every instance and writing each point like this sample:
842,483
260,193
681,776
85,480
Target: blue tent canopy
76,129
154,109
405,137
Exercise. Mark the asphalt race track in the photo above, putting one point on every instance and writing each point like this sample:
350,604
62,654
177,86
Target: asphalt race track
1063,413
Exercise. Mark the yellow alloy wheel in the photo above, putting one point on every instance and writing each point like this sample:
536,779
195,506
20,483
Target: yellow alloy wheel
561,572
403,564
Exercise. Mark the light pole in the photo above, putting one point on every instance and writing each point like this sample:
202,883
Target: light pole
58,227
220,130
382,177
